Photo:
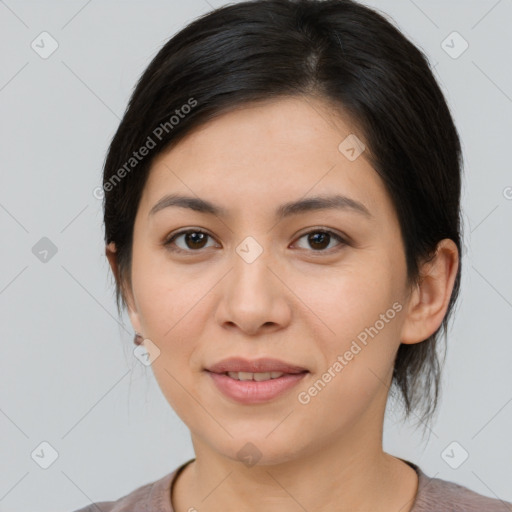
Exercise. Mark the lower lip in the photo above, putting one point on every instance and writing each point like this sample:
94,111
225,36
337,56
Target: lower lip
255,392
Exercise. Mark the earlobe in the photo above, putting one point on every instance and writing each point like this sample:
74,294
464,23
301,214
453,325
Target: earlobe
429,300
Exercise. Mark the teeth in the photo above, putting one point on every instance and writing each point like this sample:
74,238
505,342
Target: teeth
255,376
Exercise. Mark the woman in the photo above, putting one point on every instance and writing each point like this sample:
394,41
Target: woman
282,216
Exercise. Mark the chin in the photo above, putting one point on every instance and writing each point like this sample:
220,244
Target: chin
260,451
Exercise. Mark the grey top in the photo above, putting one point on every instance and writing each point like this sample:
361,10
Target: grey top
433,495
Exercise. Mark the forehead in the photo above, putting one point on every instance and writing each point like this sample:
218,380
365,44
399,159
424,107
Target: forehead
267,153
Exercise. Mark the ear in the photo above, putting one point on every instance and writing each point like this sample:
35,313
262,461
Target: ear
110,252
429,300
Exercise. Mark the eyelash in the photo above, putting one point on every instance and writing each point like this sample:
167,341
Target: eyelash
168,242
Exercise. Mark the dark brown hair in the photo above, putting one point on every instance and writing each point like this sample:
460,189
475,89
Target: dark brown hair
349,55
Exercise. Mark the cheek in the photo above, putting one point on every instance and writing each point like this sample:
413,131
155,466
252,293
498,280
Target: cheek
348,299
168,299
360,323
357,360
172,316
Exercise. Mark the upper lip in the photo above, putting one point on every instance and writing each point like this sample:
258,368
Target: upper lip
263,365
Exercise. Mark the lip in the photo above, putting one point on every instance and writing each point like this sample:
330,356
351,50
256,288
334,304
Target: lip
255,392
250,391
262,365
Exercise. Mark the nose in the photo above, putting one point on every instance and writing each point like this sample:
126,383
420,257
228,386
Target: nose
254,298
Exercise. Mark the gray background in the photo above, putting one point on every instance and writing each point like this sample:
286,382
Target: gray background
68,374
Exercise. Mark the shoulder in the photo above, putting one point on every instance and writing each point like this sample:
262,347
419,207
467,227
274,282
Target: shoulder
99,506
434,493
151,496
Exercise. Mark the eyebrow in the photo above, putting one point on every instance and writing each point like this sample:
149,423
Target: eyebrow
331,202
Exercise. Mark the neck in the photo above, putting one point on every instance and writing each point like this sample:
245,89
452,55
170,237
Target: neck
347,474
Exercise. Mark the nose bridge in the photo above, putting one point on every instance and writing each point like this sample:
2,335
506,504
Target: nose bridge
253,296
251,264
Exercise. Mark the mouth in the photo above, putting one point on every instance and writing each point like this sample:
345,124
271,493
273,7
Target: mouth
262,366
255,382
258,377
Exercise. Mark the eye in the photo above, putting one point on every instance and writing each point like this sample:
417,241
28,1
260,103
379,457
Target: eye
319,239
194,239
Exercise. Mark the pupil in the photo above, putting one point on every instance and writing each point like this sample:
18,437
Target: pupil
196,237
323,237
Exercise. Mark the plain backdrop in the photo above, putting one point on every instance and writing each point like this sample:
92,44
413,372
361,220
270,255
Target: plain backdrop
69,378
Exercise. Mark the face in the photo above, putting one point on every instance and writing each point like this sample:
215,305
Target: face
323,289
